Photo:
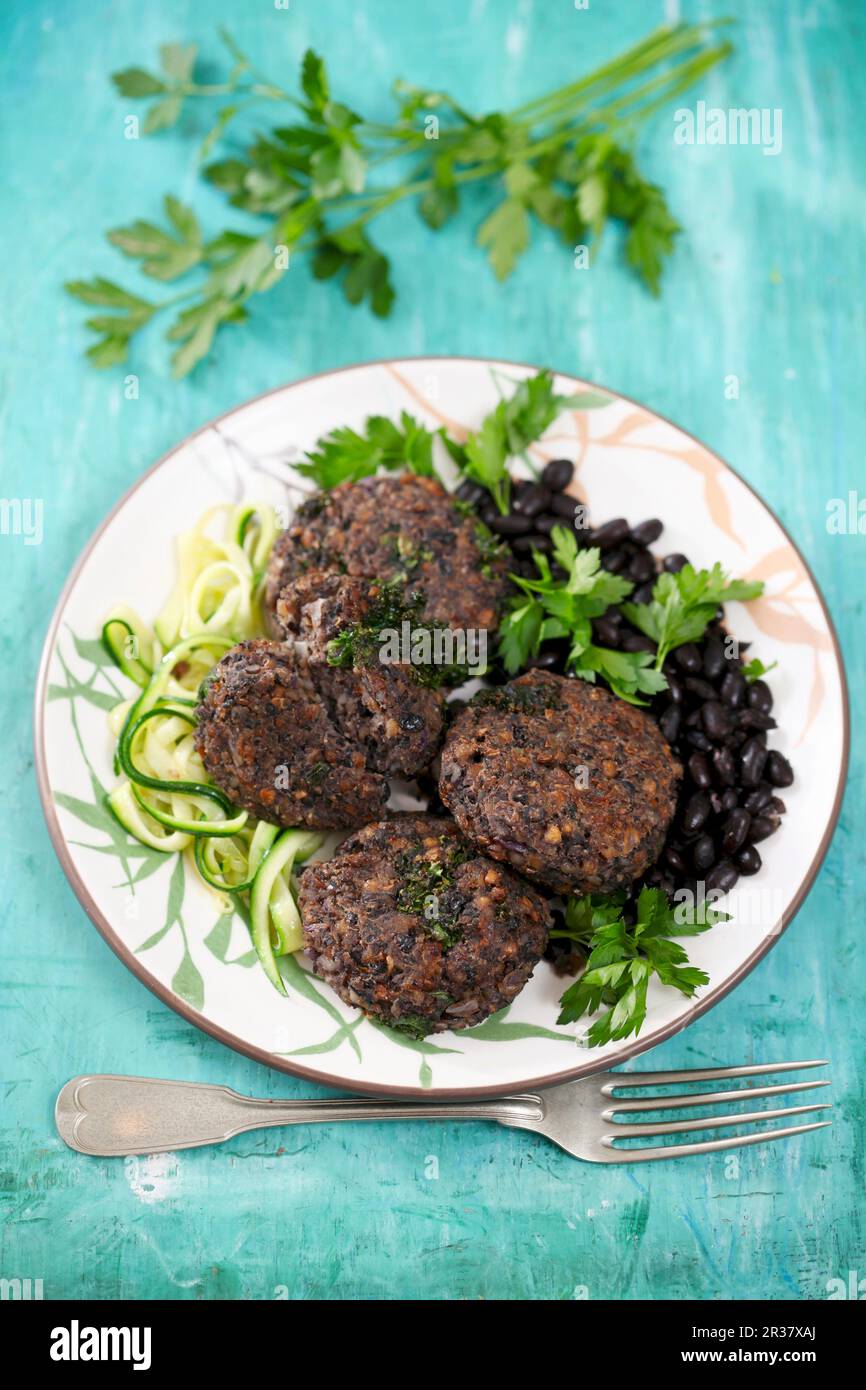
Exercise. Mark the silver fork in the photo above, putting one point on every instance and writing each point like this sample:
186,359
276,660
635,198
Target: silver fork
114,1116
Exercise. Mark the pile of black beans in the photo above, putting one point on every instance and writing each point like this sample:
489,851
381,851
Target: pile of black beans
715,720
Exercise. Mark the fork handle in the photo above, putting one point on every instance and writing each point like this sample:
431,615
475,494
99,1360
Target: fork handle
116,1116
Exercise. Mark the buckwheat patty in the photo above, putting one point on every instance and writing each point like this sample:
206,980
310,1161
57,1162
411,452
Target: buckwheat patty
400,527
297,743
411,924
570,785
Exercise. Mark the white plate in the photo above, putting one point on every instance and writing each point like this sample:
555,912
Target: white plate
162,922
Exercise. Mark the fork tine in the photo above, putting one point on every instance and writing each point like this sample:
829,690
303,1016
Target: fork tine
614,1155
714,1122
680,1102
667,1078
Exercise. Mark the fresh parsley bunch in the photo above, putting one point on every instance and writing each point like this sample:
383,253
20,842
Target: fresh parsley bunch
553,608
563,160
623,957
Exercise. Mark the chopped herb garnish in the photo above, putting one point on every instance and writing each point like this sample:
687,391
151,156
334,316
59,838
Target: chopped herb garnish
489,548
413,1025
426,890
363,644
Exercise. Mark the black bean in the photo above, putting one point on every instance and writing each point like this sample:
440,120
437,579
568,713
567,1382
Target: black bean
674,563
761,696
557,474
470,492
748,861
676,690
714,658
642,594
614,561
696,739
647,531
523,545
513,525
722,878
699,771
688,658
759,799
532,500
728,800
642,567
696,812
605,631
698,686
703,854
670,723
675,861
694,719
636,642
778,805
611,534
779,771
716,720
724,767
545,523
733,689
545,661
764,826
755,719
561,504
753,756
735,830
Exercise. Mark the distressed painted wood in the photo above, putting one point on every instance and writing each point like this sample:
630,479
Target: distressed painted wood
766,287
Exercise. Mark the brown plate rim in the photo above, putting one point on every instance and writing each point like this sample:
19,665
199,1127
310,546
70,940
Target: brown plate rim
269,1059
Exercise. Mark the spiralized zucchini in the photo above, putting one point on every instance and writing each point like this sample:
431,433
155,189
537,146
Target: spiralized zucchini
166,798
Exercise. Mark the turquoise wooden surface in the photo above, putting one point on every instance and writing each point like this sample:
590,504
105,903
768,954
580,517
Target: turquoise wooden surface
766,286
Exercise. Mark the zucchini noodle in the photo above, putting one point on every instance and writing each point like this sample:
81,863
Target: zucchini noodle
166,799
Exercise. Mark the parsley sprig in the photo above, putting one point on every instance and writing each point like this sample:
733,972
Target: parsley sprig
345,455
563,160
515,423
564,608
624,956
684,604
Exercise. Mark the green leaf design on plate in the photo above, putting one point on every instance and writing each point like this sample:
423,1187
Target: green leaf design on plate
93,697
218,941
496,1029
92,649
339,1036
300,979
187,980
95,816
426,1049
